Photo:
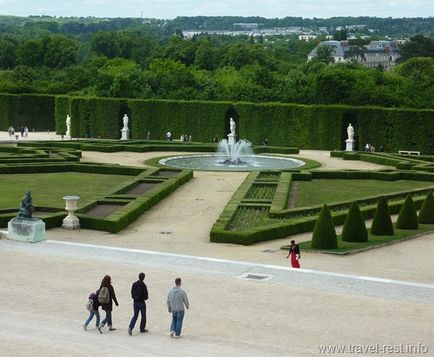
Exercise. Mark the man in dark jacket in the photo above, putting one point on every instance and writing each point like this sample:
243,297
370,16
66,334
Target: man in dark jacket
139,293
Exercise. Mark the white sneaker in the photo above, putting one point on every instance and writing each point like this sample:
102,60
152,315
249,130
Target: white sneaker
172,333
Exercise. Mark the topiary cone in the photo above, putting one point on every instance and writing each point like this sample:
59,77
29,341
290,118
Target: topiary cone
426,213
354,227
407,218
324,234
382,223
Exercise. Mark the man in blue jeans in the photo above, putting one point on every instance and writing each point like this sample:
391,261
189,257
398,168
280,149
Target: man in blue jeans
176,300
139,293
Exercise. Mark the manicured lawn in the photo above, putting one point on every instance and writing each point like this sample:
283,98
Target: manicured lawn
316,192
400,234
48,188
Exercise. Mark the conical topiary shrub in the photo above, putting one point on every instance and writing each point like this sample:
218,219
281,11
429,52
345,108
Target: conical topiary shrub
382,223
324,234
354,227
407,218
426,213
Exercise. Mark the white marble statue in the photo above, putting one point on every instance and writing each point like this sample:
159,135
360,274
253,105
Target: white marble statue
350,132
125,120
232,126
68,125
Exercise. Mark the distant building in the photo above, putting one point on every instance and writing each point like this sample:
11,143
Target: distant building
306,37
374,55
246,25
338,51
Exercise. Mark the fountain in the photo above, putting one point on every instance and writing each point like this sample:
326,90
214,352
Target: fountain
236,154
232,155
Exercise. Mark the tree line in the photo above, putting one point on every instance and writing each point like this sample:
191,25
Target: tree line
137,60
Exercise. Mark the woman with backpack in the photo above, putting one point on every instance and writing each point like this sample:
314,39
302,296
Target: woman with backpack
106,297
93,306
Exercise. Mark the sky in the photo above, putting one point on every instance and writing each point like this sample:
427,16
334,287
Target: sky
165,9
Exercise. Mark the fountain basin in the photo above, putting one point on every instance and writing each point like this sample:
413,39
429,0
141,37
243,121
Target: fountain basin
214,162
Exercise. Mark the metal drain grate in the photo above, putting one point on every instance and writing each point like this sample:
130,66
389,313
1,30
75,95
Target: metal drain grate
257,277
269,251
165,232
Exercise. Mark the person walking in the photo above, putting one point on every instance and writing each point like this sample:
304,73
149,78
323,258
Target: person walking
294,253
139,293
106,297
94,312
176,299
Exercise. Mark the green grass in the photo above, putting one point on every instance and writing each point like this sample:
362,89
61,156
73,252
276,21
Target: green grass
344,247
48,188
316,192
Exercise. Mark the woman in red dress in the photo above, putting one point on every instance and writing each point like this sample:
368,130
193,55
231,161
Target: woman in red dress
294,252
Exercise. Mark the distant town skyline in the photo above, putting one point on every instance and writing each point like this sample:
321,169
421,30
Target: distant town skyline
165,9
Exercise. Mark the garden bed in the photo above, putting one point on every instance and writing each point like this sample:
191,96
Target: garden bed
103,210
374,241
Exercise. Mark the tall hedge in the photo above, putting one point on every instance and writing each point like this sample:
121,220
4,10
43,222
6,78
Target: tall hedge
426,213
354,227
304,126
407,218
382,223
8,105
36,111
62,109
202,120
324,233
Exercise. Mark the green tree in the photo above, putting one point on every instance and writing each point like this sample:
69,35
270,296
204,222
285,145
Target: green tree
8,56
105,44
418,46
407,218
122,78
324,54
168,78
30,53
354,227
205,57
324,234
335,84
340,35
60,51
426,213
382,223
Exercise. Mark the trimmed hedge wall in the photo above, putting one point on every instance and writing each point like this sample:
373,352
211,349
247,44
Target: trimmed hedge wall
32,110
304,126
62,109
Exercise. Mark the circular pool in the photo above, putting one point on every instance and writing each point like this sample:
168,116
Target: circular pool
218,163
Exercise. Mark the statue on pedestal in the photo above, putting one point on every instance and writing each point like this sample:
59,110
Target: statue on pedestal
26,209
68,125
125,120
350,132
232,126
350,142
24,227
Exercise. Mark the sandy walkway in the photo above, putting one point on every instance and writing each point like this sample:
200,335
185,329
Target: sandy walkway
42,309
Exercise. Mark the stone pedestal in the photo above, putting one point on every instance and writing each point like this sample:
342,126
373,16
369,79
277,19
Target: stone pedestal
350,145
26,230
71,221
231,139
125,134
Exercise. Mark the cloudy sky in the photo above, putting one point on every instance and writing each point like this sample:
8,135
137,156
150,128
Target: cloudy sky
265,8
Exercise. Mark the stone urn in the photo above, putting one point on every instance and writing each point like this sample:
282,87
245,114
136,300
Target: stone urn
71,221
